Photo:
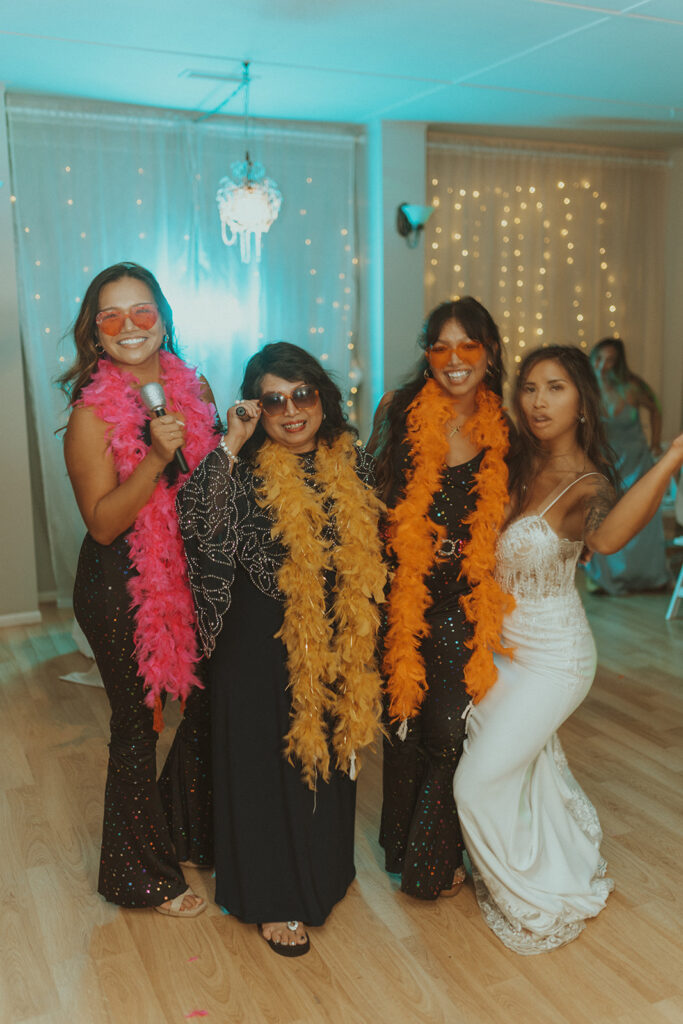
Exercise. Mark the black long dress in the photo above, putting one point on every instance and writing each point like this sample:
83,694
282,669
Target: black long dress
420,830
149,826
282,852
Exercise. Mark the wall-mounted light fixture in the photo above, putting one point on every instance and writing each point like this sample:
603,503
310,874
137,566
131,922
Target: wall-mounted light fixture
410,221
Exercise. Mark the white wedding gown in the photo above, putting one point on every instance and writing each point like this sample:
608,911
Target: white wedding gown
532,835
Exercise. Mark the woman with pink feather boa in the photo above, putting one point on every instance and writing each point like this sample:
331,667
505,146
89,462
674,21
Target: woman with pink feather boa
131,595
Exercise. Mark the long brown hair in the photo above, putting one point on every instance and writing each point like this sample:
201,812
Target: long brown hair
479,325
621,370
590,433
73,380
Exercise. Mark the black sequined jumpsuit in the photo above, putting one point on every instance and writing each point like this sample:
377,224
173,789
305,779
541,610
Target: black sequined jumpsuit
420,831
149,826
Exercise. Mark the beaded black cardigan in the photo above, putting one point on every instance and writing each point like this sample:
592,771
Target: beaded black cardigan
222,524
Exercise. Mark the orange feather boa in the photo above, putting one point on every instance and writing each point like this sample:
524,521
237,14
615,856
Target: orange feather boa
333,676
414,539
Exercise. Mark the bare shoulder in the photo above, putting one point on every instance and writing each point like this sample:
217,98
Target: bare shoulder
83,427
642,394
85,432
598,498
205,391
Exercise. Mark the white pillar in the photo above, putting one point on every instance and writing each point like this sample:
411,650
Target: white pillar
396,169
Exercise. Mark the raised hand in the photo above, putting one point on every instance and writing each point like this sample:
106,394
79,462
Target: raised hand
242,420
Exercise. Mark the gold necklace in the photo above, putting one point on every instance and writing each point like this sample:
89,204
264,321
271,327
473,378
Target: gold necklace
456,430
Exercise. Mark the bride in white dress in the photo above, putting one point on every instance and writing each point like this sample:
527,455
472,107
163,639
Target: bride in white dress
532,834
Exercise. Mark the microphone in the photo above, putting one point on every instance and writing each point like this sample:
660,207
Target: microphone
154,399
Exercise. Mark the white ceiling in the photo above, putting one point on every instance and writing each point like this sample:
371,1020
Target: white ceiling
610,71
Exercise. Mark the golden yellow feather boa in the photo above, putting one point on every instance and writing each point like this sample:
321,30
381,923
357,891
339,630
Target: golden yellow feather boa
414,539
330,652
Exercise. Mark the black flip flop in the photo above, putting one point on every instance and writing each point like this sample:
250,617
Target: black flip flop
284,948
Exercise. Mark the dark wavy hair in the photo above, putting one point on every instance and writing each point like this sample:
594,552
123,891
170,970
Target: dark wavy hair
622,371
590,433
621,368
73,380
479,325
282,359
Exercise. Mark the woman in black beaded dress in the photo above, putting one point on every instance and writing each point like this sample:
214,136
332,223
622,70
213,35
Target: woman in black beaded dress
280,526
131,596
445,422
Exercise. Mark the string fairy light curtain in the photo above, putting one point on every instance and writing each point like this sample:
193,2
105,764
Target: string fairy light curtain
94,184
563,246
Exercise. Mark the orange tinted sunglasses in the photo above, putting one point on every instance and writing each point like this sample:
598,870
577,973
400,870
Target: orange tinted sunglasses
439,354
143,315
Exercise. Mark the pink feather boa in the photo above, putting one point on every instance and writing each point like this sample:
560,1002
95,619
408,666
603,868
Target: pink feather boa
165,626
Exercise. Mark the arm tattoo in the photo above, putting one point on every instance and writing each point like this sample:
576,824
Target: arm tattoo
598,506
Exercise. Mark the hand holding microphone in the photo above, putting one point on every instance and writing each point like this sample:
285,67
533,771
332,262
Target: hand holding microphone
173,429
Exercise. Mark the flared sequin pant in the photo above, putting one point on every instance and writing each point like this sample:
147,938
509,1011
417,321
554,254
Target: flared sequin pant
149,826
420,830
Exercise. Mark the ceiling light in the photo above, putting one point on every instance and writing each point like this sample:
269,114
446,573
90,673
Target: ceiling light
248,202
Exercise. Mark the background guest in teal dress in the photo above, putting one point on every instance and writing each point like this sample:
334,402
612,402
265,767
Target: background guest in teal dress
642,564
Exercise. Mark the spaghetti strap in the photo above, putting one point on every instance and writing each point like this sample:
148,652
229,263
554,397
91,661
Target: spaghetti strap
556,499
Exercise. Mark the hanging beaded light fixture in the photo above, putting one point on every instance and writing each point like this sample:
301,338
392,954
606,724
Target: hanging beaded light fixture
248,202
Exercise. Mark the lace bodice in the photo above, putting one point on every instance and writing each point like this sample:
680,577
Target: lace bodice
532,562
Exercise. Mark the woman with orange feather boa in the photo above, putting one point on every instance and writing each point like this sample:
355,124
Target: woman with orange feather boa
441,442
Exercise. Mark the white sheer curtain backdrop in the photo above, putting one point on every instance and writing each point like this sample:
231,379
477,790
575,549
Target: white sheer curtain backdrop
562,245
95,184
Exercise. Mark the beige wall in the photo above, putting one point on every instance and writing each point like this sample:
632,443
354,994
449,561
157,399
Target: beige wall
18,588
671,390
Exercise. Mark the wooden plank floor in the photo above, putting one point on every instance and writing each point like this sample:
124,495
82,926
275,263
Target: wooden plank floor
67,957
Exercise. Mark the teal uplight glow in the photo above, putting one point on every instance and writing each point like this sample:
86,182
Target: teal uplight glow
218,328
376,264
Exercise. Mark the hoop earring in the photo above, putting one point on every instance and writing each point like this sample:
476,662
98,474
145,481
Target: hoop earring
99,348
426,373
